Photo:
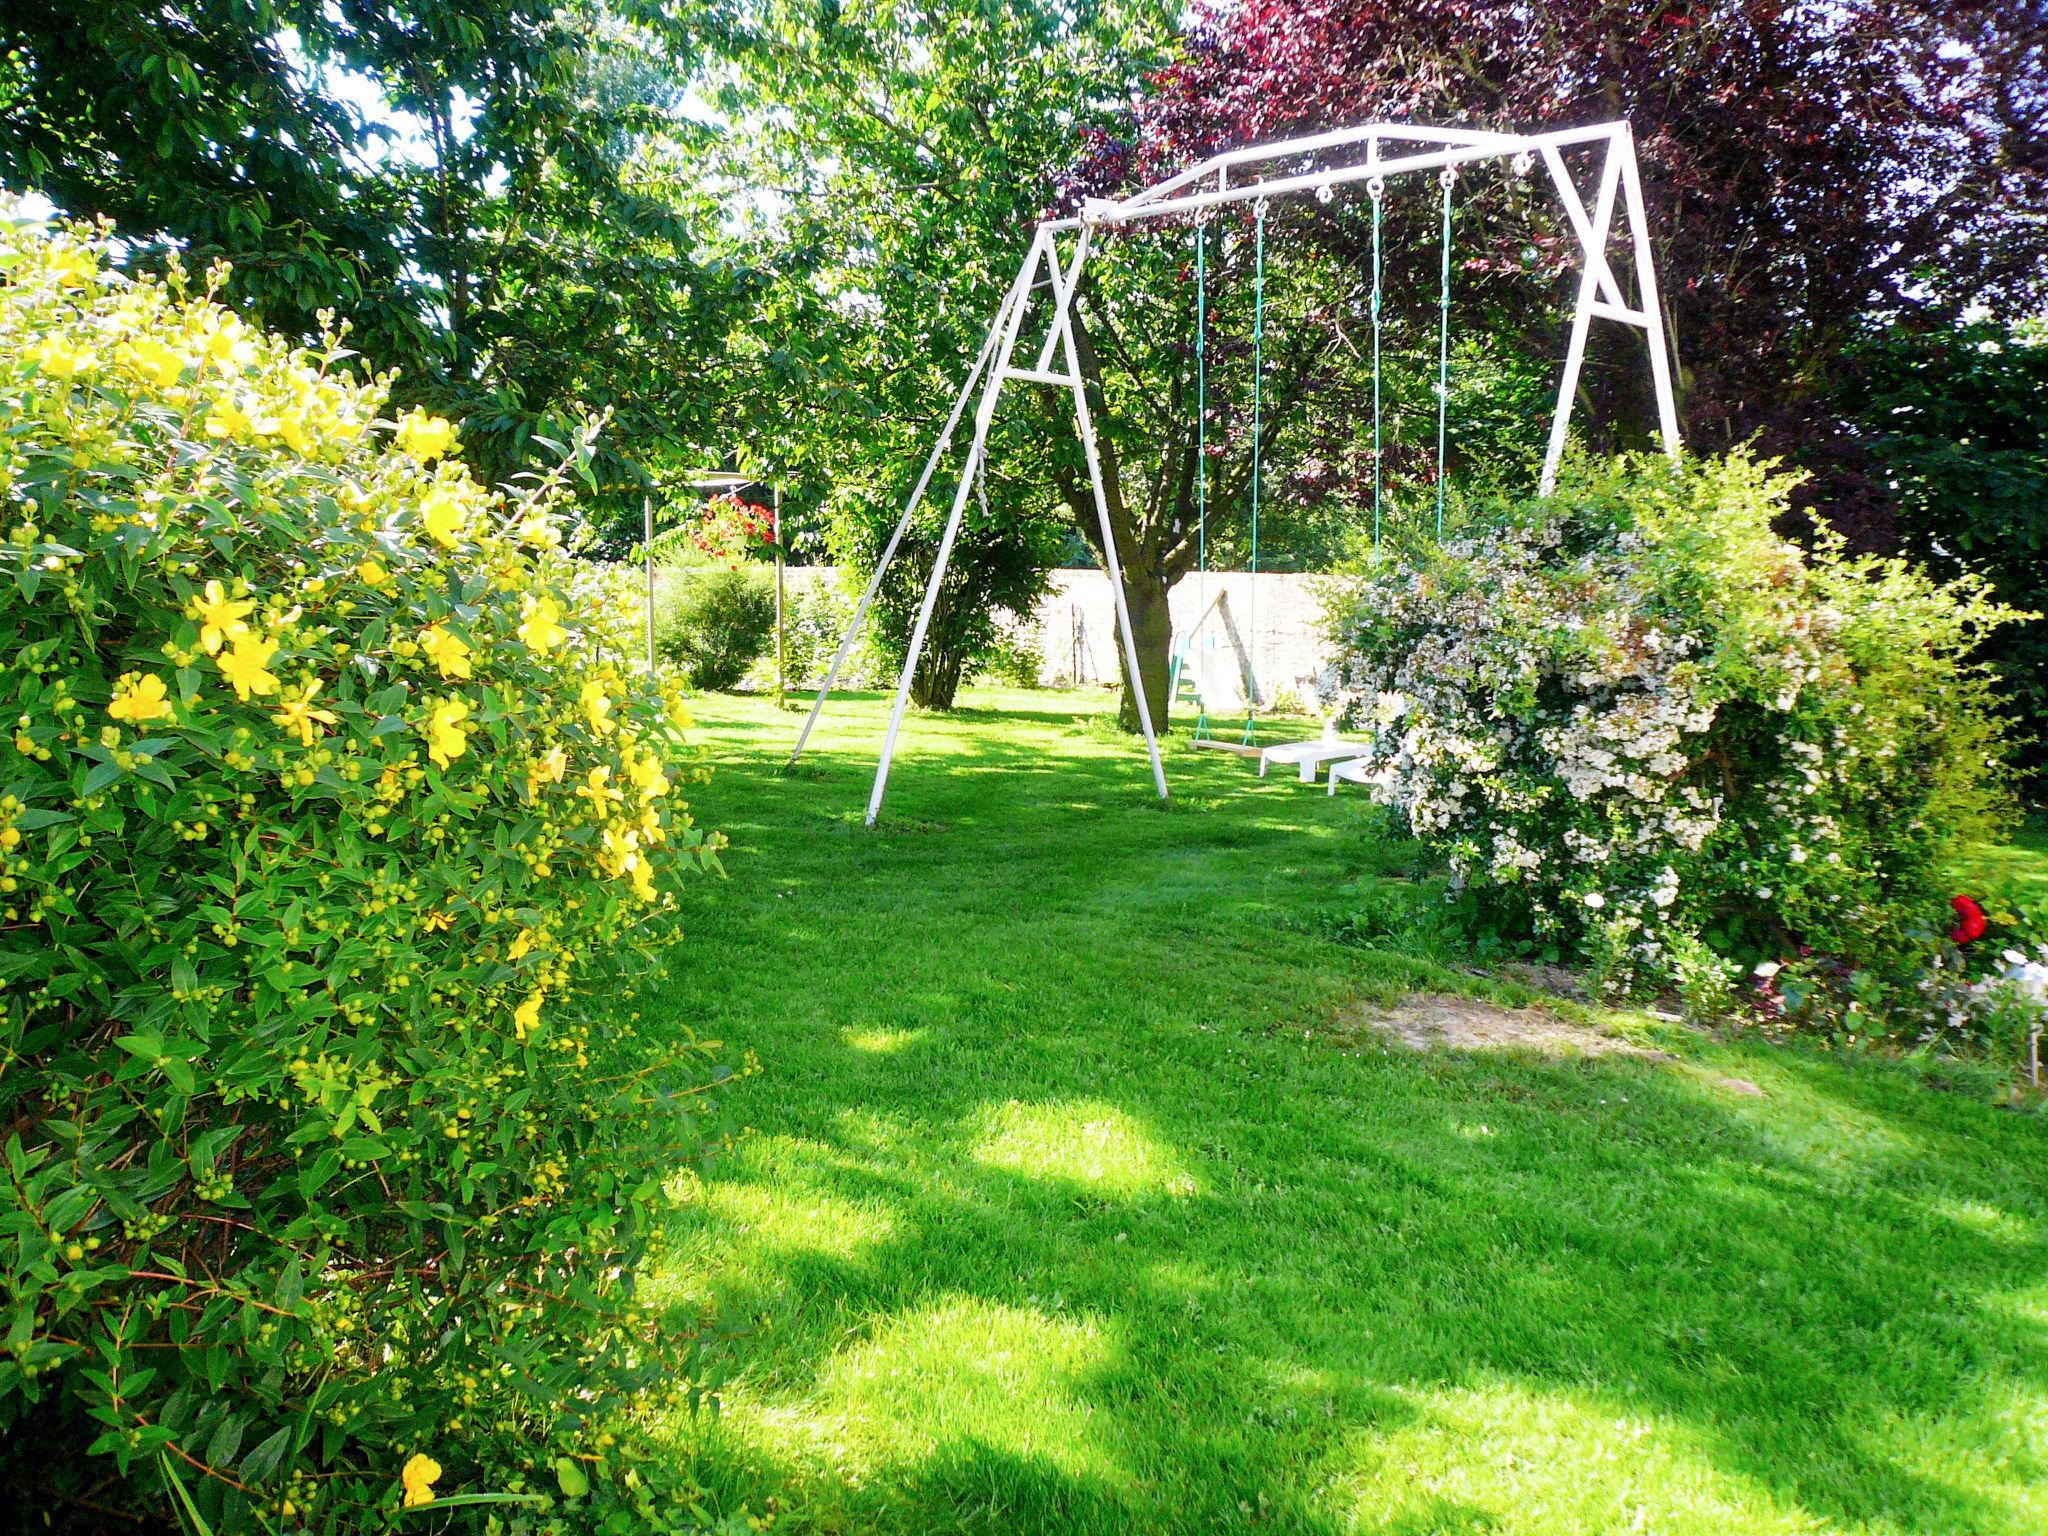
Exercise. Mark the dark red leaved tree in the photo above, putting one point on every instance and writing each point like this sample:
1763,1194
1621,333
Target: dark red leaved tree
1807,167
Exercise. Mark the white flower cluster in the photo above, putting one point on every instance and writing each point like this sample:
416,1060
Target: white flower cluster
1640,730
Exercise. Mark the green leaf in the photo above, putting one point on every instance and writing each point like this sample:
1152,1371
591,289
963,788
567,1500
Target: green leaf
575,1483
262,1462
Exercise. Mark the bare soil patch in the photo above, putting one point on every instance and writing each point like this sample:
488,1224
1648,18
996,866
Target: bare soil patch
1426,1021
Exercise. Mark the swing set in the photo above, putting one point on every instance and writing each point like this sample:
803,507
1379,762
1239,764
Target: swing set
1314,166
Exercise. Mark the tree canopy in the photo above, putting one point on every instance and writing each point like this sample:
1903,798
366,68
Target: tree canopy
770,235
501,196
1808,169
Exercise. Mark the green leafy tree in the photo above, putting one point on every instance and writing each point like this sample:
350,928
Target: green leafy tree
499,195
886,165
1957,419
998,566
889,166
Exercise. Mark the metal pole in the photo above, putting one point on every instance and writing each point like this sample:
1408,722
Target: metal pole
647,521
1646,293
1595,241
1063,294
776,525
931,464
991,390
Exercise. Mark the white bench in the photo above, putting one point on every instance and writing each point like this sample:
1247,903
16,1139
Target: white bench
1309,756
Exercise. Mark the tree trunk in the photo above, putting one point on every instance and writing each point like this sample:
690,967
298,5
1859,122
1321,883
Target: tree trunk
1152,627
1142,553
936,682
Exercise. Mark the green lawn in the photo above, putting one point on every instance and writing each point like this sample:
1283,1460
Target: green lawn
1074,1197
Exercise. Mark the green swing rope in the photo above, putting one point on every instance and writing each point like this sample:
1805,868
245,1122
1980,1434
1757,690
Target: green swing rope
1443,350
1251,606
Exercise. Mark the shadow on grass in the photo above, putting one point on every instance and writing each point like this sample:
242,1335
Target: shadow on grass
1610,1238
1067,1209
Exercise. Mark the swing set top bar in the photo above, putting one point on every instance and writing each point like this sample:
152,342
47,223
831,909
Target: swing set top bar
1463,146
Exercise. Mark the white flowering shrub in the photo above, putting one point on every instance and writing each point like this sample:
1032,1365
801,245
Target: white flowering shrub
1643,727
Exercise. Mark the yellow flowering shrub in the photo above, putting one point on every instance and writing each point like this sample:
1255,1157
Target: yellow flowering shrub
334,828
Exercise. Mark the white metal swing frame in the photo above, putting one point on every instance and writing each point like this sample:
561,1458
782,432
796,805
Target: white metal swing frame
1284,169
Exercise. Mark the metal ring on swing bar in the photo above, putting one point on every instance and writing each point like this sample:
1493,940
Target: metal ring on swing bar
1447,177
1377,187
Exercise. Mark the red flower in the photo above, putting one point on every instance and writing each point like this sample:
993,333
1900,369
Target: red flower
1969,920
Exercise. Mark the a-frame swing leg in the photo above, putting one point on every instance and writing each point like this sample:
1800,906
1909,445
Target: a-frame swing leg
1593,276
1008,319
1600,295
1008,322
931,464
1647,296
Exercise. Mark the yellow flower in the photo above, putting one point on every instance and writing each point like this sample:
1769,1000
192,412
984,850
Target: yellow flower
57,359
527,1015
540,624
441,513
597,708
596,788
446,738
679,714
424,438
373,573
220,618
647,777
139,697
418,1477
72,264
448,652
161,365
622,857
229,420
298,714
549,769
230,346
520,945
650,827
293,431
247,665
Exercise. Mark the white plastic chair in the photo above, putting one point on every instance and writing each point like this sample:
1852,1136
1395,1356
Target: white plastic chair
1357,770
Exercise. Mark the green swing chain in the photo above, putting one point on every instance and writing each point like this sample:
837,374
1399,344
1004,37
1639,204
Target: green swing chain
1201,440
1377,188
1443,350
1251,606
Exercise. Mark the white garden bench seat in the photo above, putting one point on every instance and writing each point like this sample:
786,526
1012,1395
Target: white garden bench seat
1309,756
